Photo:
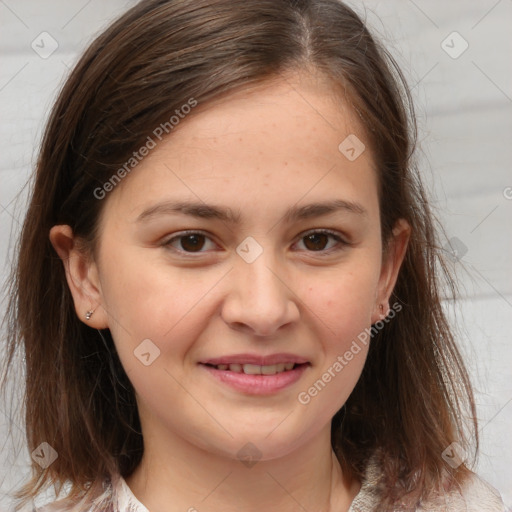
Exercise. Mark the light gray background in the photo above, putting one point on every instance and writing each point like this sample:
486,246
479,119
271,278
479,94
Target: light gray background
464,108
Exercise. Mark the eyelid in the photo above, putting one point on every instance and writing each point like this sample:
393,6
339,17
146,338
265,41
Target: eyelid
339,237
334,234
176,236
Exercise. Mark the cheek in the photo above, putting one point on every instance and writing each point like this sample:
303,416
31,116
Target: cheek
148,299
342,305
344,300
342,309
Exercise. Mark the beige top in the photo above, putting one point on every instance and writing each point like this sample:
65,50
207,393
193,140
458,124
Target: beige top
476,496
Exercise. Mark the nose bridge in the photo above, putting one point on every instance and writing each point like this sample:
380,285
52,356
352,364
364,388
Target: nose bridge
258,296
257,279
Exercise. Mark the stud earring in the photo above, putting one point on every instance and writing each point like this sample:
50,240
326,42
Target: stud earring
89,314
381,309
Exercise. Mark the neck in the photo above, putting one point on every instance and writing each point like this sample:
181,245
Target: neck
180,476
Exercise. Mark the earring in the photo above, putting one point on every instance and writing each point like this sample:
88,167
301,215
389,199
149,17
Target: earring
89,314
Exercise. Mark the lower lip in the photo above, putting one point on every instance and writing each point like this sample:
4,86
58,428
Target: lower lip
257,384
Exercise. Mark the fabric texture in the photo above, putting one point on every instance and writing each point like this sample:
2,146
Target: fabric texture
475,496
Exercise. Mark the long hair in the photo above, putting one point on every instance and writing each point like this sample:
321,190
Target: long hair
414,387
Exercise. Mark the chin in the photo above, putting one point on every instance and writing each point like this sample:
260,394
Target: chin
255,444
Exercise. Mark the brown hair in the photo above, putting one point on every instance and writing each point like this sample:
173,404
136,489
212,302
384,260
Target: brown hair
161,53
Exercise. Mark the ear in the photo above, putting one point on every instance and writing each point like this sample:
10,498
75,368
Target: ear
392,261
81,275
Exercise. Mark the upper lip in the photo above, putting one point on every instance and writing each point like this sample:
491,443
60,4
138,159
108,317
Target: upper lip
256,359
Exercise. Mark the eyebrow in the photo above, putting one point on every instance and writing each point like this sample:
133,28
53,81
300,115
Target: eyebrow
206,211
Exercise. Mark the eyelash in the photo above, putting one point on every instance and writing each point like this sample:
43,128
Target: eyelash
333,234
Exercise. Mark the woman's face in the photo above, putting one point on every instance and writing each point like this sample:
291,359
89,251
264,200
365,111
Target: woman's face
239,263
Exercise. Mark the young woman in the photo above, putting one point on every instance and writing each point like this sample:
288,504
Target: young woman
228,286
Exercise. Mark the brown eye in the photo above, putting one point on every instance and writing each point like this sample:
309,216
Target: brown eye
322,241
189,243
316,241
192,243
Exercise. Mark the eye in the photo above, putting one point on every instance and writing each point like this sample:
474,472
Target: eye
322,241
189,242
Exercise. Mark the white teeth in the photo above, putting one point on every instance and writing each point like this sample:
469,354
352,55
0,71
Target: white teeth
270,369
252,369
255,369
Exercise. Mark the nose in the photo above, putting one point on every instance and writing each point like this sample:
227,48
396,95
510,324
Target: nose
260,299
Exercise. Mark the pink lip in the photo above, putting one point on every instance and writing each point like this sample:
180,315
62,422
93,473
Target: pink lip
257,384
256,359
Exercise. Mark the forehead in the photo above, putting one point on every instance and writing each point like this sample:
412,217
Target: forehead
303,103
283,139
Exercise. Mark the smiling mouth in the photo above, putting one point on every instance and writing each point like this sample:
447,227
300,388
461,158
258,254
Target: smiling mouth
252,374
255,369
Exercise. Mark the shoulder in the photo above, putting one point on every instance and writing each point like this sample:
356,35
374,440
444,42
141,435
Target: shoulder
113,495
99,499
474,495
124,499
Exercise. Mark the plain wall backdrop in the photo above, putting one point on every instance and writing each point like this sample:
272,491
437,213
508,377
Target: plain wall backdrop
456,56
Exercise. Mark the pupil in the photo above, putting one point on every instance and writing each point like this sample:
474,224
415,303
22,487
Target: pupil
318,240
192,242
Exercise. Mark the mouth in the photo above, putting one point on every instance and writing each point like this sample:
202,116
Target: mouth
255,369
257,375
